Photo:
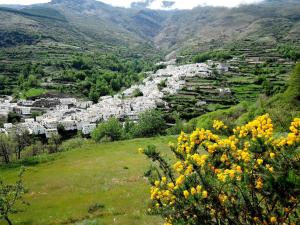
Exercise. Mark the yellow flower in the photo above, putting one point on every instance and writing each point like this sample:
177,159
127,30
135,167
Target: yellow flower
260,161
198,188
272,155
193,191
178,166
171,186
273,219
186,193
156,183
141,150
222,177
224,158
204,194
200,160
259,183
180,180
219,124
223,198
164,180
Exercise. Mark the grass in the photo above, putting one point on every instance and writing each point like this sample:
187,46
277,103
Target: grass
110,175
34,92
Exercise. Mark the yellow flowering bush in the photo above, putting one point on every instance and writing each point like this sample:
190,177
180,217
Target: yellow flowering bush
250,176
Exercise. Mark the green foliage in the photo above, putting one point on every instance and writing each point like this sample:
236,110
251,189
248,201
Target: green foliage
111,130
13,117
22,139
293,91
71,144
10,196
288,51
137,92
213,55
150,123
53,143
33,92
15,38
177,127
6,147
162,85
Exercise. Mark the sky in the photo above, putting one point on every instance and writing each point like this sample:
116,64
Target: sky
180,4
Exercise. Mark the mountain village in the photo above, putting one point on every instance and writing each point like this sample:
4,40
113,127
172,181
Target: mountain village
73,114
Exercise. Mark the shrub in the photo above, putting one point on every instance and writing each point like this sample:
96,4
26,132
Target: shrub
248,177
150,123
137,93
112,129
72,144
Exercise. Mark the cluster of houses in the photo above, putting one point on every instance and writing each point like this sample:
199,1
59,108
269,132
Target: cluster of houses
72,114
6,107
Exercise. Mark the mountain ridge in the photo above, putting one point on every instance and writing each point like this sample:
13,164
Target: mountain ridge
166,31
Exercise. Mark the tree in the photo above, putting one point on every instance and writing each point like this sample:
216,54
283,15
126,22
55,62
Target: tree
13,117
111,129
94,95
6,147
22,139
150,123
10,195
54,143
32,81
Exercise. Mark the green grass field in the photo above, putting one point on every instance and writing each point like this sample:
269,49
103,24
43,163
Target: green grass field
111,174
33,92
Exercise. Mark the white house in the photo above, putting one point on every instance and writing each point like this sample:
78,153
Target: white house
88,128
7,126
50,132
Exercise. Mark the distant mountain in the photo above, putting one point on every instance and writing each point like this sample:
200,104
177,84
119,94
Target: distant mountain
98,26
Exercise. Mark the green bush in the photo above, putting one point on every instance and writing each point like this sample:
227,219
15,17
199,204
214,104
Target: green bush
112,129
213,55
137,93
150,123
72,144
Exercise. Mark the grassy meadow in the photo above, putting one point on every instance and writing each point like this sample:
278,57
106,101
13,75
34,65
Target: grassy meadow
61,190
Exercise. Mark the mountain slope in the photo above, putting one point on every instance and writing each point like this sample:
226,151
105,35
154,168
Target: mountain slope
97,22
203,26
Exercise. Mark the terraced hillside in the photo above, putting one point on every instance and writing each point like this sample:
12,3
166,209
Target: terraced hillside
251,71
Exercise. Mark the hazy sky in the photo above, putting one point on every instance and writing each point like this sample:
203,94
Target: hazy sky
180,4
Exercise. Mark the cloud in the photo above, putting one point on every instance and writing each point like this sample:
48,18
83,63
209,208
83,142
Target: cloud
184,4
156,4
